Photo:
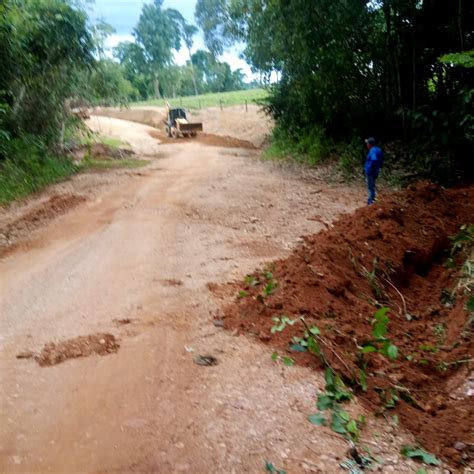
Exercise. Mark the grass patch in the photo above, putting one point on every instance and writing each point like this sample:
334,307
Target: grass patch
211,100
30,168
309,149
19,178
110,164
112,142
91,138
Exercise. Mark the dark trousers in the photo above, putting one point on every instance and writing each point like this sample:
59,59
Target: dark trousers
371,178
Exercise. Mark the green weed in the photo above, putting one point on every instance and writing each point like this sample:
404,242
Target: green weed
331,399
288,361
419,454
106,164
270,468
29,169
464,239
281,323
380,343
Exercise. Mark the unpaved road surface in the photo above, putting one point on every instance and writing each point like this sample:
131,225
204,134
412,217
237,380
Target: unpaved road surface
139,260
245,123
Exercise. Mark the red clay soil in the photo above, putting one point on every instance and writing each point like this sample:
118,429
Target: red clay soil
56,205
206,139
82,346
390,254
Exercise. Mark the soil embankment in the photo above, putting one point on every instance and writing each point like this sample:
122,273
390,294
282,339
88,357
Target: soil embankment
389,255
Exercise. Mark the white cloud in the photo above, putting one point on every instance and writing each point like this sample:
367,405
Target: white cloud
113,40
235,62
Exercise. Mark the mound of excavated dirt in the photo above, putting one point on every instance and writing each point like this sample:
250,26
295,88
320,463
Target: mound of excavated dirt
12,230
206,139
82,346
390,254
99,151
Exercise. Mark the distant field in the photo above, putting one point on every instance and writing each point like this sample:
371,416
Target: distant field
211,100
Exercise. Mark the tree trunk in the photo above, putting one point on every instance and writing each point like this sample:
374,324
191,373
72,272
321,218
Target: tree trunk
461,36
413,32
192,72
156,85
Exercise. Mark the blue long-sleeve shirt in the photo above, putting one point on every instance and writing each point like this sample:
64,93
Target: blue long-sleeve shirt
374,161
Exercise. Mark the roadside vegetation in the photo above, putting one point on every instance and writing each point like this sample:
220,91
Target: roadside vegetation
383,302
349,70
27,173
54,65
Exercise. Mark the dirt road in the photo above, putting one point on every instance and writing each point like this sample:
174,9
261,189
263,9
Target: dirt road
138,260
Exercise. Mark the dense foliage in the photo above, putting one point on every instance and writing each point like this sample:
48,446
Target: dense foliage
46,49
396,69
53,61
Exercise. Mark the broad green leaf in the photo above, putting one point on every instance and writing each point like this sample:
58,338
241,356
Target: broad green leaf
288,361
344,416
317,419
392,351
314,330
324,402
380,327
337,424
298,348
352,428
269,467
313,346
368,349
274,356
329,376
420,455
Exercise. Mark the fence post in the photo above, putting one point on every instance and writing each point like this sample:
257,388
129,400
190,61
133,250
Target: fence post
246,108
220,101
199,102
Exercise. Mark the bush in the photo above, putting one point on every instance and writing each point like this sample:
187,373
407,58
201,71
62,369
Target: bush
308,147
30,168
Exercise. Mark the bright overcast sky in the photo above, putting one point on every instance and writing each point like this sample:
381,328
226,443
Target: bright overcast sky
123,16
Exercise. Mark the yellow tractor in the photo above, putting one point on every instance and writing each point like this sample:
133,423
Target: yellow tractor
177,124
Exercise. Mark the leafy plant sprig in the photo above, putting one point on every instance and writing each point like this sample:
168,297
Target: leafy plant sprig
380,342
331,399
419,454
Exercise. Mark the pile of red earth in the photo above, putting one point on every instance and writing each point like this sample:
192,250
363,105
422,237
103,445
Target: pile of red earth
391,254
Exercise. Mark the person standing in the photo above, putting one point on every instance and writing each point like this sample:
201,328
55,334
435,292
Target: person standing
373,163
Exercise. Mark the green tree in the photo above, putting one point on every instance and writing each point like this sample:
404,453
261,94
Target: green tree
107,85
158,33
352,68
51,44
132,58
188,32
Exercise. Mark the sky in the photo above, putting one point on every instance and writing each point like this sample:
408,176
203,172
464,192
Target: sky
123,16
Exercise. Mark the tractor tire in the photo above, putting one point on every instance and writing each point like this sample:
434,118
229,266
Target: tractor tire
174,133
168,131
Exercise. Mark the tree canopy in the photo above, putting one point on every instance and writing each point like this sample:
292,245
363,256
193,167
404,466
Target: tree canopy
397,69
